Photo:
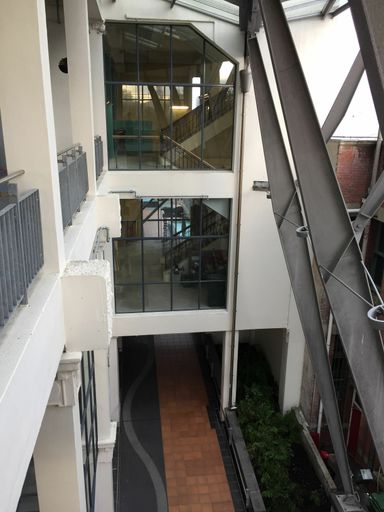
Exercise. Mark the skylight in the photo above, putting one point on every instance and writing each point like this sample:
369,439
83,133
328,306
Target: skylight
228,11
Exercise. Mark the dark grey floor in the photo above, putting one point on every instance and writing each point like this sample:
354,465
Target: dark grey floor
141,475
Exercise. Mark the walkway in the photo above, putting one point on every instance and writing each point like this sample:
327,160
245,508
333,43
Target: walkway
196,479
169,458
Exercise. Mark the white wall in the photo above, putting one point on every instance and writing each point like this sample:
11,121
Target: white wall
327,50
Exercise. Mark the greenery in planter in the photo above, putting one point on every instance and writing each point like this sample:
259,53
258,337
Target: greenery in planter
268,434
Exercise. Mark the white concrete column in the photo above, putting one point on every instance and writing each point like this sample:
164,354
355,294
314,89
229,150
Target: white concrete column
106,434
226,370
114,385
98,89
104,501
292,358
79,79
58,454
27,115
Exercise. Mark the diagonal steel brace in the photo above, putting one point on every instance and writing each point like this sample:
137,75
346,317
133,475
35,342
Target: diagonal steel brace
329,225
288,215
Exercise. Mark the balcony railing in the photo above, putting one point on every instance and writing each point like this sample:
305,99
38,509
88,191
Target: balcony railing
73,177
21,247
181,157
99,156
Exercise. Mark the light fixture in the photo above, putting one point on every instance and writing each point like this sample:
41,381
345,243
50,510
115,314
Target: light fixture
180,107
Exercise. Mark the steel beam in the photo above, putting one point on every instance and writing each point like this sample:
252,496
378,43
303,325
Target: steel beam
328,6
336,251
375,197
340,10
288,217
249,16
344,98
368,17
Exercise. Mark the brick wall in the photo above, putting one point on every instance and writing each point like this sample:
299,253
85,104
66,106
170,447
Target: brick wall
354,170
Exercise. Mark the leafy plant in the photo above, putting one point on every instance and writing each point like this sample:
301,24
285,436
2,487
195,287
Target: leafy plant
269,436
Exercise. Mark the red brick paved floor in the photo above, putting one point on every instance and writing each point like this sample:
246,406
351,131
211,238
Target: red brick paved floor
195,474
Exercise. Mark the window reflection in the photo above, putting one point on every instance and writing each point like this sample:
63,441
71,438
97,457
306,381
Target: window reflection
120,53
170,99
218,123
187,55
218,68
173,254
154,53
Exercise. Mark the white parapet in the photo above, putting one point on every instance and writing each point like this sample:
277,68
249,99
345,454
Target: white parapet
87,301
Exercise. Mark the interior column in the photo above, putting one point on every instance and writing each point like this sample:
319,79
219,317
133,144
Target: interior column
58,454
80,81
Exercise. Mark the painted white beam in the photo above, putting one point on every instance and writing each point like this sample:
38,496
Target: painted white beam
79,79
27,115
98,90
226,371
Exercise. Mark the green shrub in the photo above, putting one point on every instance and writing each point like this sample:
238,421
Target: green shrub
269,436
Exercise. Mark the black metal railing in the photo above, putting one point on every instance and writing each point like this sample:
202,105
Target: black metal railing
246,475
99,156
183,158
21,247
73,177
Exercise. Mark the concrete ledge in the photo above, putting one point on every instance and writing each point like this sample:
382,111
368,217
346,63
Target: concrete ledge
87,301
106,446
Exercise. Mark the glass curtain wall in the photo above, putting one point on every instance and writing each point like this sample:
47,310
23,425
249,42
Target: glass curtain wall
169,98
173,255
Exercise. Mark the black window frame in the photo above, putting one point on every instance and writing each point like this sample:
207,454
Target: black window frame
139,84
171,240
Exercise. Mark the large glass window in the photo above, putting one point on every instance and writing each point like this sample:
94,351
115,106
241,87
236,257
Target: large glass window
173,254
169,98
